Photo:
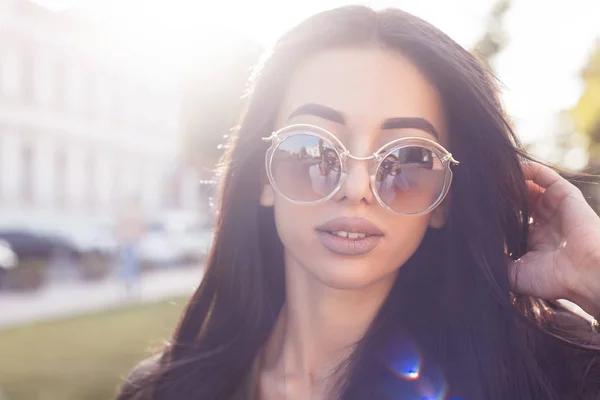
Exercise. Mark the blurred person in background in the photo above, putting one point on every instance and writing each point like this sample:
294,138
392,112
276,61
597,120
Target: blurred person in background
375,278
130,227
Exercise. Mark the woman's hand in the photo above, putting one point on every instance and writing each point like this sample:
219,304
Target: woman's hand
563,259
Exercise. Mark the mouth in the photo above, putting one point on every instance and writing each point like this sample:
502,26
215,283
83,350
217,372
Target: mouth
349,236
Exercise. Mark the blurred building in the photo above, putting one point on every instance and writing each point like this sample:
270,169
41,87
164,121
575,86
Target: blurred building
85,123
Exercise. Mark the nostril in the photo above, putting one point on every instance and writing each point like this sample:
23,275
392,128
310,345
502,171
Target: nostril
357,185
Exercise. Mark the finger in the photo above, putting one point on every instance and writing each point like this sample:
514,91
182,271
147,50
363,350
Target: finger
541,175
555,189
534,194
538,209
520,278
530,276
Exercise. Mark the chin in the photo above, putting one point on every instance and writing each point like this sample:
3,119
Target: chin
351,275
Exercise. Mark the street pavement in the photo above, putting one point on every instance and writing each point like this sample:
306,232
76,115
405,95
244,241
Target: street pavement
61,300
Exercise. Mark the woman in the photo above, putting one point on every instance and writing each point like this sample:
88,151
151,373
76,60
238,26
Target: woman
380,282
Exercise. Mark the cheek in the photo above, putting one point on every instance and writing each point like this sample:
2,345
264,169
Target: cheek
405,235
294,223
408,224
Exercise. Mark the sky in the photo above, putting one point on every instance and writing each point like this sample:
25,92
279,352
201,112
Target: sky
539,70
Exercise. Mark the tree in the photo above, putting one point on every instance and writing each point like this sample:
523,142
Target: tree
585,118
586,114
495,38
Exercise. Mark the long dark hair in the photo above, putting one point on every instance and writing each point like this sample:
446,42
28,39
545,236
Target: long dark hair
452,299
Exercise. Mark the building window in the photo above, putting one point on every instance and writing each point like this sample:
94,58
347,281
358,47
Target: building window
27,174
59,76
61,179
118,108
101,96
91,193
2,167
43,78
74,94
28,78
12,74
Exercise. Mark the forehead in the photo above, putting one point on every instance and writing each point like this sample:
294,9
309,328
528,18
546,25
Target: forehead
367,85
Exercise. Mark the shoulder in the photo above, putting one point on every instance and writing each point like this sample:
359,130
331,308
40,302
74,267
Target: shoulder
136,385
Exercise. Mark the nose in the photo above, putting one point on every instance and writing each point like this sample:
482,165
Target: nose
357,187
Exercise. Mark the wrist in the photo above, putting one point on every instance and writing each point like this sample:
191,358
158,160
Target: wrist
586,292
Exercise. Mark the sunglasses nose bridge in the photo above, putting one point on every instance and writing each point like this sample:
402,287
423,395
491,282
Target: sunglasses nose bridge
347,154
370,160
357,182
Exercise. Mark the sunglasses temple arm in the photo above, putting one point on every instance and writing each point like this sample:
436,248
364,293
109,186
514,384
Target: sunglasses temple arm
448,157
269,138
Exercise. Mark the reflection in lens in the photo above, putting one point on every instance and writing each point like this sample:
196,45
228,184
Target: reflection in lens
410,179
305,167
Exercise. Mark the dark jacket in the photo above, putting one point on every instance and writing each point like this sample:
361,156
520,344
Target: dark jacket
136,382
585,368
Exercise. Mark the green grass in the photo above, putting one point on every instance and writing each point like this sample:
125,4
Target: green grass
83,358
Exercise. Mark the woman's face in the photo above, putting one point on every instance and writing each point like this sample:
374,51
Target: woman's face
354,93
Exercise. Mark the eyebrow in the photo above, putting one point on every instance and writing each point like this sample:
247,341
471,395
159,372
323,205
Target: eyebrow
321,111
331,114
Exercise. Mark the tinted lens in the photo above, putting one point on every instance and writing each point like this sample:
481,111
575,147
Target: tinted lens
410,179
305,167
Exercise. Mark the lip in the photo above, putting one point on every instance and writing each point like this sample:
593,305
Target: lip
347,246
353,225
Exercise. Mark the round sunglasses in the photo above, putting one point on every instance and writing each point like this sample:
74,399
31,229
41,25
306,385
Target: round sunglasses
307,164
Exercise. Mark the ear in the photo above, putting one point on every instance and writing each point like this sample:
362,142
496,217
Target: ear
267,196
437,219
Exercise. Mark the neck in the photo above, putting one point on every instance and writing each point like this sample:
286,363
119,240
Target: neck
319,326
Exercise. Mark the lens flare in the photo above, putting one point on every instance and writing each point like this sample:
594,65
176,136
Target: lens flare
410,376
403,358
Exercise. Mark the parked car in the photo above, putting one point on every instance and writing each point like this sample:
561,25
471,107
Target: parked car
26,243
8,261
95,246
175,238
36,246
33,252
